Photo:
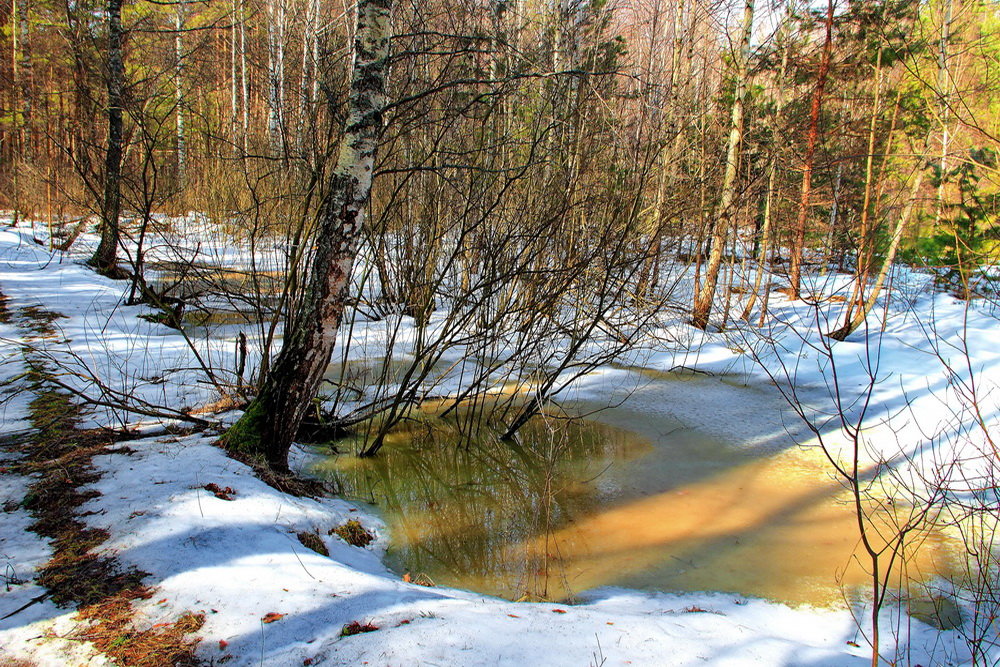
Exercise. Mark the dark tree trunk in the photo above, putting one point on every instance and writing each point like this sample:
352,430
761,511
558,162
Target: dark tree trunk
105,256
272,420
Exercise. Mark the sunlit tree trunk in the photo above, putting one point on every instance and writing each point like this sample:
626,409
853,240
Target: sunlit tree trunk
244,82
276,19
21,67
234,99
309,82
179,92
854,320
724,214
812,138
765,239
867,226
272,420
944,92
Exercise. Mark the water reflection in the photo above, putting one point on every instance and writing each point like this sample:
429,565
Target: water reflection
578,504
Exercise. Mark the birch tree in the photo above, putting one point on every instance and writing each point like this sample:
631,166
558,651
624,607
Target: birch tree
272,420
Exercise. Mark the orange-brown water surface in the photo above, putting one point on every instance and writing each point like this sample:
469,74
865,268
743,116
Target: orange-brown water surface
574,505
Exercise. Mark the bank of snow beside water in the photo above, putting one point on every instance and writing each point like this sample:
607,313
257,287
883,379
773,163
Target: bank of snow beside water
239,560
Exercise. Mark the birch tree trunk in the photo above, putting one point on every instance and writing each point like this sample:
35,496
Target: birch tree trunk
272,420
765,239
944,92
105,257
309,81
21,66
276,15
244,83
720,232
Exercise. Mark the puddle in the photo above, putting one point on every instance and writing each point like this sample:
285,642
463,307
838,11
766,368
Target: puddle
575,505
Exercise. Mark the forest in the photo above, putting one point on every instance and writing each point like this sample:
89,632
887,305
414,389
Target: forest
473,264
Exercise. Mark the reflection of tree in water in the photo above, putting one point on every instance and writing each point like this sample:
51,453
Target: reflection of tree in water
457,506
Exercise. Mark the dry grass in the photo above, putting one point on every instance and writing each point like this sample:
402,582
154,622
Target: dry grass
113,633
40,320
313,541
14,662
353,533
4,318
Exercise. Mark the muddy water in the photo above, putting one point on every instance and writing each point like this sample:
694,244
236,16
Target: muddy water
574,505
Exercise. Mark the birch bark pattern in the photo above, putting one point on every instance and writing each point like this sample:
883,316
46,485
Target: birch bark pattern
272,420
179,93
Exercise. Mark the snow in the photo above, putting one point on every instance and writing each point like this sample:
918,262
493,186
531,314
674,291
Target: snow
238,560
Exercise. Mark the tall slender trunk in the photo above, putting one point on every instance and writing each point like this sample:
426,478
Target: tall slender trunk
22,72
765,239
831,227
244,83
276,76
309,78
233,75
855,320
812,138
272,420
179,93
866,230
724,213
105,257
944,93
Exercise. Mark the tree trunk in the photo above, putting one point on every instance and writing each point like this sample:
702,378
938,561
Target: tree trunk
798,241
765,239
866,230
944,93
244,83
272,420
179,93
706,292
276,76
851,323
21,66
105,257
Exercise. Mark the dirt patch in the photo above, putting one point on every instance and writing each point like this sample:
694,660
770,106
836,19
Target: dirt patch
4,318
284,481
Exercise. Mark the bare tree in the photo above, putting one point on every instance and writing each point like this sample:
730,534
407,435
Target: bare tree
105,257
272,420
